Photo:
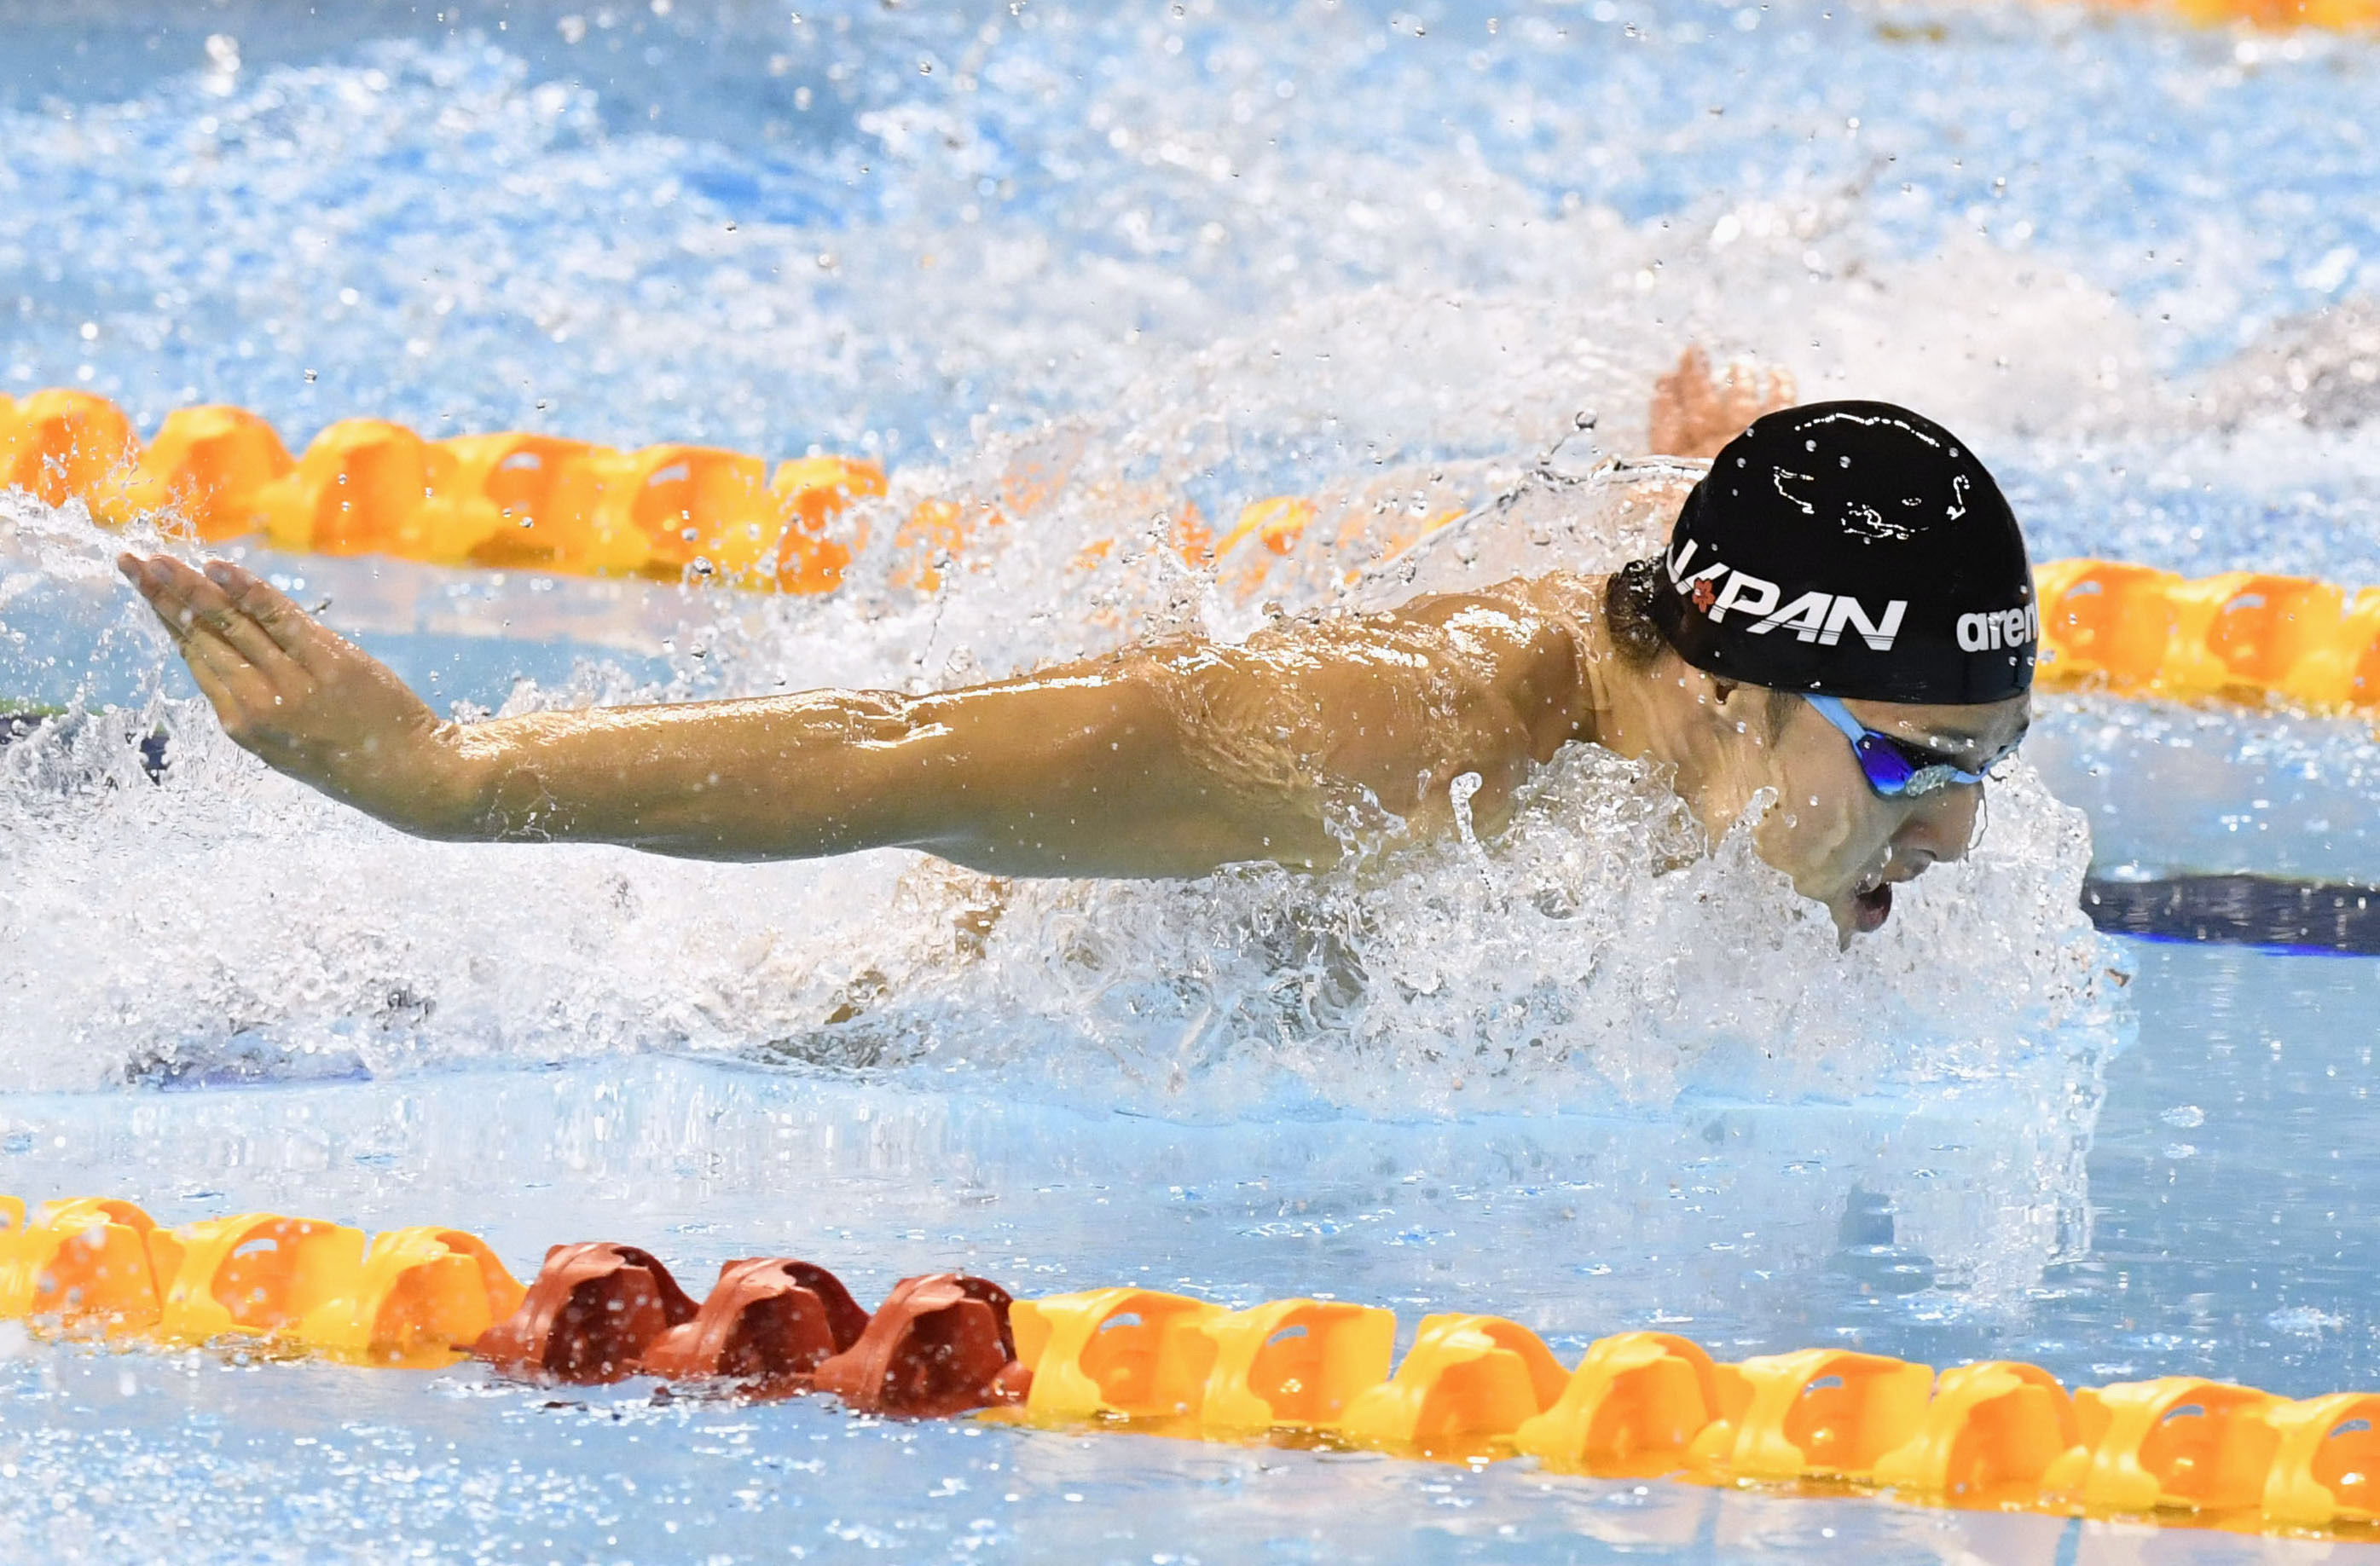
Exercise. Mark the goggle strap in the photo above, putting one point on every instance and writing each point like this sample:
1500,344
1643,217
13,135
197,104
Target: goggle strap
1832,710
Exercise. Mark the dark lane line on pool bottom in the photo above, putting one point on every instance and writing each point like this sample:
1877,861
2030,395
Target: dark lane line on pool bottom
2313,917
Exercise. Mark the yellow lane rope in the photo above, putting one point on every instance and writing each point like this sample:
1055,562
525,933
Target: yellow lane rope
1994,1435
2342,14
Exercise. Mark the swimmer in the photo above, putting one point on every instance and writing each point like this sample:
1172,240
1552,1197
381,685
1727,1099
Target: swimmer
1842,624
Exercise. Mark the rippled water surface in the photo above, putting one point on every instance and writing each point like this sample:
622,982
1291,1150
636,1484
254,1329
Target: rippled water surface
1122,257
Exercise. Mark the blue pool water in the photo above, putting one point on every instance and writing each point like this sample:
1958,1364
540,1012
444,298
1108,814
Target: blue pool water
1218,251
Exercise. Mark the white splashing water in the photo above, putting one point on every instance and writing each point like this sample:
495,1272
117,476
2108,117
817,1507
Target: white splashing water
226,924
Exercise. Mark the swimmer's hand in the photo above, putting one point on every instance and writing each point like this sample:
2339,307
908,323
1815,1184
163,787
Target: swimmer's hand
1695,411
303,700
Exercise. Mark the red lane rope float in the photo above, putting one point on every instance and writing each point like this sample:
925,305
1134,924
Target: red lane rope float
1996,1434
676,512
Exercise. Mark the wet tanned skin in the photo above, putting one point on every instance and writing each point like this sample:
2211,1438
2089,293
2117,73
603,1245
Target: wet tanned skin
1162,759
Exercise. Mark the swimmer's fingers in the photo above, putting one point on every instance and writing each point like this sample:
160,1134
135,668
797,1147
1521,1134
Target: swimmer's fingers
198,598
1746,391
1680,412
154,578
218,694
315,648
1696,409
241,693
231,684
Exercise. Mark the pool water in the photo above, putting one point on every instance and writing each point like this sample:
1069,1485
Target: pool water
1214,252
2231,1244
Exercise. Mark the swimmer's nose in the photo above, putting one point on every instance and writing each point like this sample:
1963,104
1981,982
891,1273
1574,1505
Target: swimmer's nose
1939,828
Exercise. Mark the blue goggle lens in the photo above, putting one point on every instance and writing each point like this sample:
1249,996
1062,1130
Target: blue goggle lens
1888,769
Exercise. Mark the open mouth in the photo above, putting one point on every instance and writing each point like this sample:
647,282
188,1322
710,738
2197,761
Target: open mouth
1871,905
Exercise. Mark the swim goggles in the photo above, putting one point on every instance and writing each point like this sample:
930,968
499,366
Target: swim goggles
1894,767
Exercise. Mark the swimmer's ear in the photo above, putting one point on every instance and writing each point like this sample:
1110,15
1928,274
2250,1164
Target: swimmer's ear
1721,690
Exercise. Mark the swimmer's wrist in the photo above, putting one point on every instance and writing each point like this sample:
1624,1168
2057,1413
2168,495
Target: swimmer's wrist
459,799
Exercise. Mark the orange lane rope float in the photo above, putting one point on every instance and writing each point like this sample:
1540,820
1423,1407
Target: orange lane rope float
2242,637
1995,1434
682,512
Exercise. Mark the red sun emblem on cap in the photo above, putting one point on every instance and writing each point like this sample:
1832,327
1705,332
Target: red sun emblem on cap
1704,595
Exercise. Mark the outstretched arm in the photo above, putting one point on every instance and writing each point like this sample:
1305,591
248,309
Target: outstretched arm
1156,762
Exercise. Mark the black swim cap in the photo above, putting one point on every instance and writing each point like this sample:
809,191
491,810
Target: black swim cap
1852,548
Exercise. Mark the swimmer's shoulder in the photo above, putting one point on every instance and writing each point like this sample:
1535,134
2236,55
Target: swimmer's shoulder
1532,634
1573,596
1562,604
1529,638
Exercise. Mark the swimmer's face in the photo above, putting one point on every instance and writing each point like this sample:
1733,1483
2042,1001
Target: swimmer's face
1846,846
